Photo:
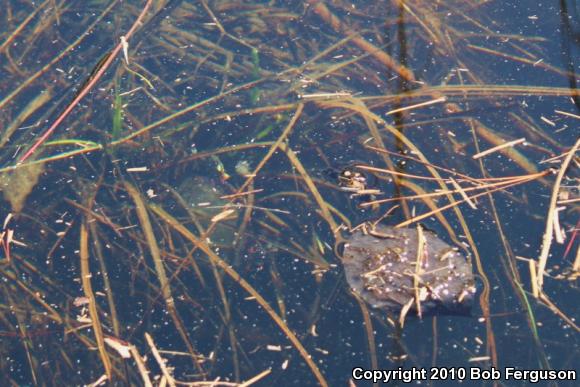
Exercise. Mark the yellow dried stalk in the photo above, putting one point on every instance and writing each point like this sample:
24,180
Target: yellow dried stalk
143,216
88,290
549,233
216,260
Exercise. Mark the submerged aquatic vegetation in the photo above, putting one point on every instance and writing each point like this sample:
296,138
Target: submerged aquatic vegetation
242,108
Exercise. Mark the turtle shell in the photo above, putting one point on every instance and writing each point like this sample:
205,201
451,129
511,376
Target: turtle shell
382,267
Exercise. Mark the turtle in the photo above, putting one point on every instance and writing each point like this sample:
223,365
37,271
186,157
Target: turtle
382,265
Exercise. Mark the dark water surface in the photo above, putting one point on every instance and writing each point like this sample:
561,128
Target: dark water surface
200,189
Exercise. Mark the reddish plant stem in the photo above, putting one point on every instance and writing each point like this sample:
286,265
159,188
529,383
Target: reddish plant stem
87,87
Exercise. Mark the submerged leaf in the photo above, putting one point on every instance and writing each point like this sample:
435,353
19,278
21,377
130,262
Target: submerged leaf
16,185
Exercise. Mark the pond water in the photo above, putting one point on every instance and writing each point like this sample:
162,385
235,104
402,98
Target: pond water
179,178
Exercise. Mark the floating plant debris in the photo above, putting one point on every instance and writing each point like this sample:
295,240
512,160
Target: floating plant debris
382,267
